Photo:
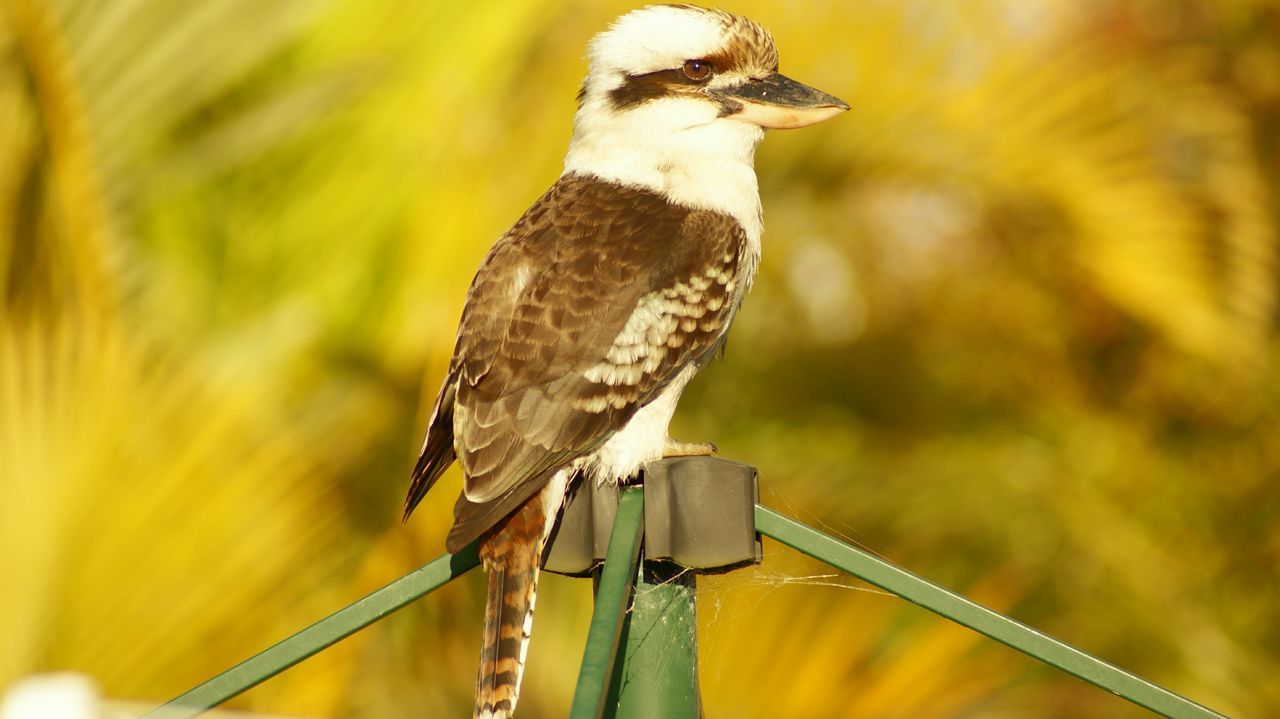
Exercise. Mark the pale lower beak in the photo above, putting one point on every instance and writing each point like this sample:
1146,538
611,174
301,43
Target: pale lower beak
779,103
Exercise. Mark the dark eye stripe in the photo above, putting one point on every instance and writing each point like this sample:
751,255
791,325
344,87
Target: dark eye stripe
639,89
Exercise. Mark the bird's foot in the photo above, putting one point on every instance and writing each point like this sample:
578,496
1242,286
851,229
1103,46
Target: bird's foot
673,448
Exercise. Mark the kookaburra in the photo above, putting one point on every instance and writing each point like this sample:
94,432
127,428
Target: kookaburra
589,316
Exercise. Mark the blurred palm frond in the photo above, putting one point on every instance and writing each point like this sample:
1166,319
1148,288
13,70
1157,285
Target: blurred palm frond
1014,328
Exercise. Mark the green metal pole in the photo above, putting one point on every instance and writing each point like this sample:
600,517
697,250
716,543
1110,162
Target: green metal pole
613,593
324,633
1007,631
658,675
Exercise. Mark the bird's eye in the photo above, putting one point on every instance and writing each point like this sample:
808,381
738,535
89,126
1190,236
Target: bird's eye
697,70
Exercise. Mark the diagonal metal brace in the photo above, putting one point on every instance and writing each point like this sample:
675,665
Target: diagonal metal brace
950,605
321,635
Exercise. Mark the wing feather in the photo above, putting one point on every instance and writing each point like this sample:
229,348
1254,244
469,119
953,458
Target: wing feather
580,315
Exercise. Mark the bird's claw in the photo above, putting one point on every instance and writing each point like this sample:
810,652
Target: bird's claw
673,448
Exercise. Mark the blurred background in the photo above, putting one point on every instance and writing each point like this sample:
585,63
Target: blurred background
1015,329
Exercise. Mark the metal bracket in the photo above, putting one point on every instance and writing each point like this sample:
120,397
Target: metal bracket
699,512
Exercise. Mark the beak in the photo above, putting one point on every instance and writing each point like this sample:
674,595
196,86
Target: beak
779,103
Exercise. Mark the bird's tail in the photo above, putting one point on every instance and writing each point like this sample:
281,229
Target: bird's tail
511,554
508,619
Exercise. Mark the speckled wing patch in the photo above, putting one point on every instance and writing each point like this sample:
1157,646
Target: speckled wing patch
690,312
579,316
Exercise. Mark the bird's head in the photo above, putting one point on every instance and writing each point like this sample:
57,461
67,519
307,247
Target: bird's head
670,87
696,65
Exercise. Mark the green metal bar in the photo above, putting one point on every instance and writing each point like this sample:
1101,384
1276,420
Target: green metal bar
658,675
977,617
324,633
613,592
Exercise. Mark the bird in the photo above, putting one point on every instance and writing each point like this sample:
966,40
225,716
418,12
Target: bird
588,317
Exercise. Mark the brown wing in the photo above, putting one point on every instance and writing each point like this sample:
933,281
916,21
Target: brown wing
578,317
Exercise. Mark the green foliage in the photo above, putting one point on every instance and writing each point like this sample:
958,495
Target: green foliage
1015,328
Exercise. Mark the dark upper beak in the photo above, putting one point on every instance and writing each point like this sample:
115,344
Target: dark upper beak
780,103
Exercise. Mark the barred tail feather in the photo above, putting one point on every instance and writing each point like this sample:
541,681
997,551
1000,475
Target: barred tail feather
507,623
512,554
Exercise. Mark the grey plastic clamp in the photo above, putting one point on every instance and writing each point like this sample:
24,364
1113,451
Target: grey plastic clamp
699,512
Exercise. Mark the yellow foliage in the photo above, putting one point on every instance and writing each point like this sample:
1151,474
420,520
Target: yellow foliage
1015,328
